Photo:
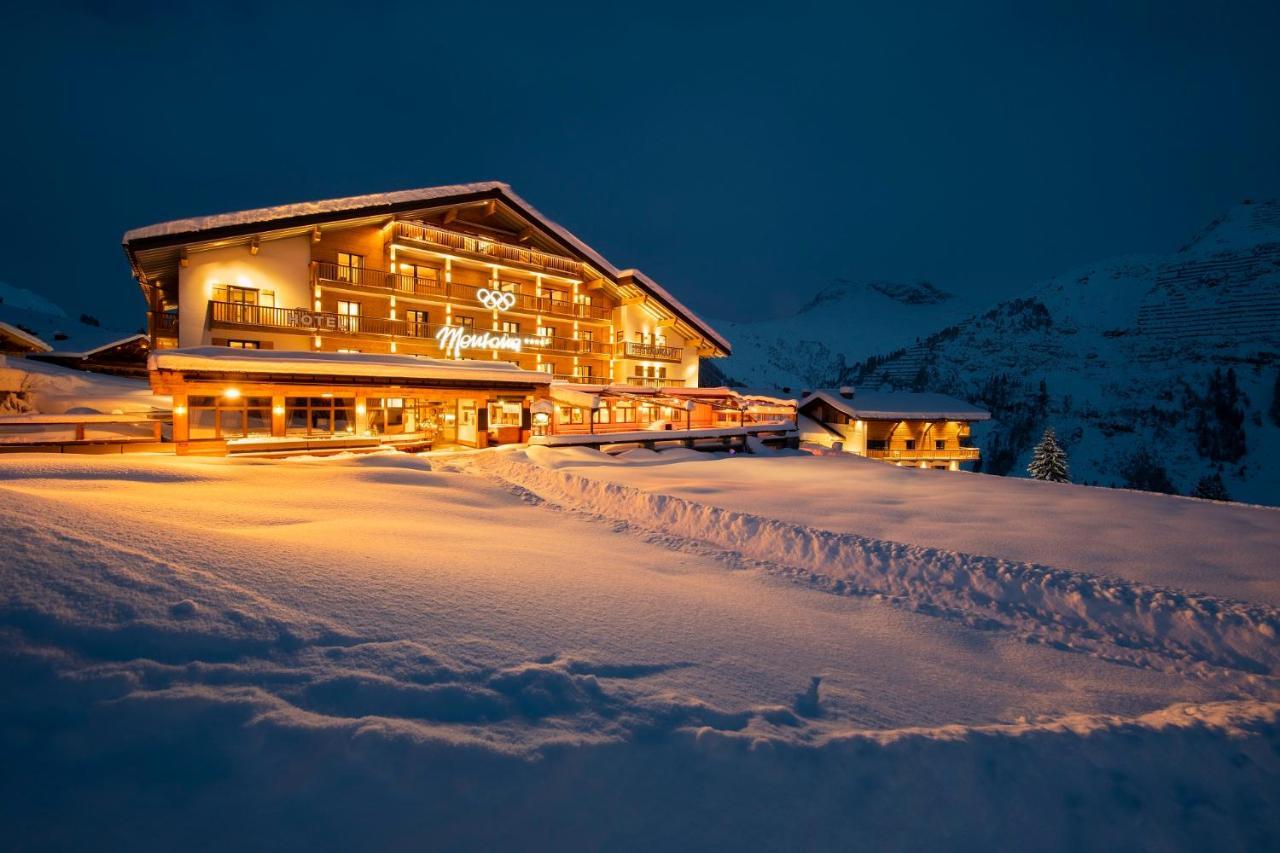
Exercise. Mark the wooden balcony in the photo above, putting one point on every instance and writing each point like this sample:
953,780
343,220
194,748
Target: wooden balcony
302,321
648,352
950,454
164,324
469,245
436,290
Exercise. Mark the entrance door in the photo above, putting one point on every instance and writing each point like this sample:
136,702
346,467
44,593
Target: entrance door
467,422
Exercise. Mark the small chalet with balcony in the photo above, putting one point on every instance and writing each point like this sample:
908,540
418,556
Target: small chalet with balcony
908,429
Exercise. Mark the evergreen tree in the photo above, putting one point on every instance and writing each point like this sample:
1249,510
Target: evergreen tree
1211,488
1049,460
1143,471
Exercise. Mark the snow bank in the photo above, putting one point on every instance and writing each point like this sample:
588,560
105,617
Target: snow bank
1107,617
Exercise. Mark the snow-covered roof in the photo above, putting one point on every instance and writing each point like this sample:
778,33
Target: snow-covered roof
884,405
372,202
225,360
24,336
267,215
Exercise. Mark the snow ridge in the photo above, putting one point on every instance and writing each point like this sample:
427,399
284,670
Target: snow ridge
1115,619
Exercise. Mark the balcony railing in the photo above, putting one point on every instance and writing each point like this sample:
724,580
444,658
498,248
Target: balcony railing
164,324
469,244
367,278
957,453
305,321
652,352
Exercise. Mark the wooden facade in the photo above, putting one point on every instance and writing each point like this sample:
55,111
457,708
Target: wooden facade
927,434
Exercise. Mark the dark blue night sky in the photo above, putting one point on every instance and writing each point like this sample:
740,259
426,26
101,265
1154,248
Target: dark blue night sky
742,155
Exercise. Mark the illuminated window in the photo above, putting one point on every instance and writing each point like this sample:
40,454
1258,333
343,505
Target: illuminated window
547,367
223,417
417,323
242,303
348,316
467,323
510,327
350,267
582,371
244,344
319,415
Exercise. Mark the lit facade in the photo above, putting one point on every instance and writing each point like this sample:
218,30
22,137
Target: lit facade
903,428
469,273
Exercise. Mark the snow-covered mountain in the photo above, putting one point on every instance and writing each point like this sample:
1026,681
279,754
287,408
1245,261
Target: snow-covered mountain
1156,371
1127,350
842,324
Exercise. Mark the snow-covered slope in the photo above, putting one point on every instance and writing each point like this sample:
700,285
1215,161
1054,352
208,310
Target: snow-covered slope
1127,351
558,650
842,324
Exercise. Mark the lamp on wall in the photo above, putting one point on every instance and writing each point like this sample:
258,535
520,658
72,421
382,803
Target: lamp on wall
253,246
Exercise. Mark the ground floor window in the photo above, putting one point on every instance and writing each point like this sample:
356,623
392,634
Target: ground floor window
319,415
224,417
386,415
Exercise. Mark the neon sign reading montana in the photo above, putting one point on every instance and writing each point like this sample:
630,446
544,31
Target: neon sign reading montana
454,339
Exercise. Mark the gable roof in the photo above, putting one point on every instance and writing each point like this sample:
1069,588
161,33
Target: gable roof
201,228
899,405
24,337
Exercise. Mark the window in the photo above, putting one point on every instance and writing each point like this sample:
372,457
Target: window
548,335
877,444
221,417
467,323
417,323
547,367
939,444
570,415
243,344
340,349
350,267
348,316
585,338
242,303
509,327
911,444
582,371
385,414
319,415
624,412
554,300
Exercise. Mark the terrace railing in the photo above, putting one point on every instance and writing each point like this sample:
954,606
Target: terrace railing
367,278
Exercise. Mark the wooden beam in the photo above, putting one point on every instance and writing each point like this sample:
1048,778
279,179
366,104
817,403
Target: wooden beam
450,215
595,284
635,300
526,233
490,207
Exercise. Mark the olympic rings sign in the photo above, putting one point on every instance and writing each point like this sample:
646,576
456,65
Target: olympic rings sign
495,299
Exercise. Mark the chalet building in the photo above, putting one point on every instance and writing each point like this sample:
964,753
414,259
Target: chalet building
439,315
908,429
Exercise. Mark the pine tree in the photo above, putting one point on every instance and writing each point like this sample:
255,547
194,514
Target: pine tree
1211,488
1049,460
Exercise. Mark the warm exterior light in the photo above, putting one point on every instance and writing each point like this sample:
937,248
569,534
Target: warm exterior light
179,410
327,394
360,409
232,393
279,410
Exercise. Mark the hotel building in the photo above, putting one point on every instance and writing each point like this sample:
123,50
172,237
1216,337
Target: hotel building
453,315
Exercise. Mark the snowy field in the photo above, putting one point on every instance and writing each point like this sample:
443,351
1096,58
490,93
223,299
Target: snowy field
554,649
